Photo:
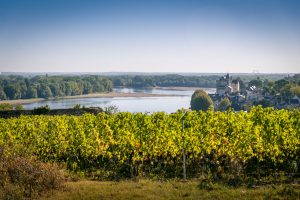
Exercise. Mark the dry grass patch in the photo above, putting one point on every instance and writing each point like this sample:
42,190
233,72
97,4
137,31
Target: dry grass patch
147,189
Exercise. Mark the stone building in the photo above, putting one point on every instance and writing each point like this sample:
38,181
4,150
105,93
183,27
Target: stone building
225,85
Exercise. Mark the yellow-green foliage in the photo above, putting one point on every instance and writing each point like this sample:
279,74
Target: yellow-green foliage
81,141
5,106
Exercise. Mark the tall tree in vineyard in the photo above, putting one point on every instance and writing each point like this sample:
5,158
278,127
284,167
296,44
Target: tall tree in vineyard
201,101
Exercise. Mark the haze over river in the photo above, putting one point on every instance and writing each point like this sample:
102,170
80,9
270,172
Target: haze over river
167,104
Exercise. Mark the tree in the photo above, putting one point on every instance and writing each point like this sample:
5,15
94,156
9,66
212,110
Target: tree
23,89
32,92
13,91
225,103
87,88
19,107
2,94
77,107
256,82
44,91
268,87
55,89
264,103
201,101
111,109
296,90
280,84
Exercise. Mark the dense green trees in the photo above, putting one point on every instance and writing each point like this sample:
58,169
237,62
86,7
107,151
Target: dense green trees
32,92
258,83
172,80
284,88
201,101
175,80
224,104
13,91
19,87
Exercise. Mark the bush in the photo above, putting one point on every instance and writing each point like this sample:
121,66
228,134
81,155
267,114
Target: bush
224,104
41,110
201,101
19,107
112,109
77,107
22,176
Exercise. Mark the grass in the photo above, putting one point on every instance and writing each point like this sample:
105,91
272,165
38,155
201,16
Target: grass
147,189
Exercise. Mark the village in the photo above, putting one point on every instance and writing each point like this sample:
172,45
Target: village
276,95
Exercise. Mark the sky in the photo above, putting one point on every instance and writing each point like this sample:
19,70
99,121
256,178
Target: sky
202,36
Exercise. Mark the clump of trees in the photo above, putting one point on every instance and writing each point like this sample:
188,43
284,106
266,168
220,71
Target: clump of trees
201,101
225,103
284,88
19,87
287,86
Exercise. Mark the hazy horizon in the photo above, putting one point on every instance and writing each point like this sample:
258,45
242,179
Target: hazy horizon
150,36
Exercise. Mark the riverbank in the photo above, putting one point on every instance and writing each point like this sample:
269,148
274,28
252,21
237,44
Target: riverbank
93,95
179,88
119,94
22,101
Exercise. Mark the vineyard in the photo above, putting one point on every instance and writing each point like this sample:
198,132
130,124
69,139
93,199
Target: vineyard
258,143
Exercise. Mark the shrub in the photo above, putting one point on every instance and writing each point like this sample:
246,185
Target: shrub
41,110
224,104
22,176
77,107
112,109
6,106
19,107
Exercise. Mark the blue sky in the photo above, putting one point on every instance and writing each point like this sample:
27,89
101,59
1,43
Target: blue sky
150,36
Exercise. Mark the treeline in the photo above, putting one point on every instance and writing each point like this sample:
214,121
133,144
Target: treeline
171,80
22,87
19,87
175,80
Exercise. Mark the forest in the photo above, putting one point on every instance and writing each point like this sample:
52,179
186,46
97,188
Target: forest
20,87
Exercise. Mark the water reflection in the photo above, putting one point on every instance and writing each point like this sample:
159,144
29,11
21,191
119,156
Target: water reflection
130,104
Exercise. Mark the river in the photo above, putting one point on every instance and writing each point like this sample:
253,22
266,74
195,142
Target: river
167,104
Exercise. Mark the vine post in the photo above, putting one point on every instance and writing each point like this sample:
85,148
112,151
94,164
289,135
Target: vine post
183,148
